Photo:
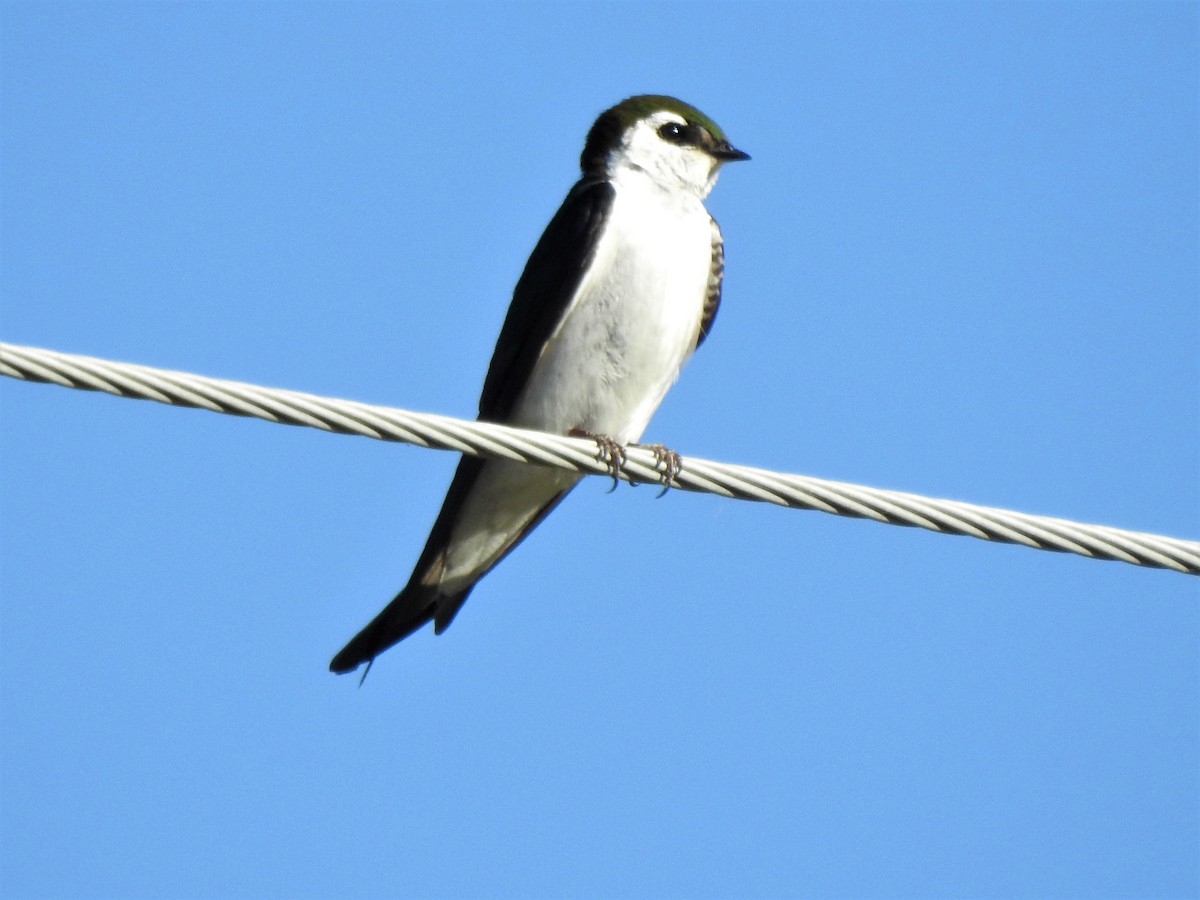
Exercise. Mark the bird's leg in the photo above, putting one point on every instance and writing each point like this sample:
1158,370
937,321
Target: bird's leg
608,451
666,459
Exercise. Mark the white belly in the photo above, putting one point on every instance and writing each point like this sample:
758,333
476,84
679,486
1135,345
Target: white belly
634,322
607,367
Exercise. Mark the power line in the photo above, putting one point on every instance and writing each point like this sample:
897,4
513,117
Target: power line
580,454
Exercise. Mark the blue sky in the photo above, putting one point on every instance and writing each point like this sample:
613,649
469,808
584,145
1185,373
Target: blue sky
963,262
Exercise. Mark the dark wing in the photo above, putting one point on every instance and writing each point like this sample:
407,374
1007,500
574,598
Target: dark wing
540,299
543,293
716,272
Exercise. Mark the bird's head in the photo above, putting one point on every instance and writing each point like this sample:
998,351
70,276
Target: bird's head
675,144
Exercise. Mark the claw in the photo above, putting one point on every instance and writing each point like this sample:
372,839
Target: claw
666,459
608,451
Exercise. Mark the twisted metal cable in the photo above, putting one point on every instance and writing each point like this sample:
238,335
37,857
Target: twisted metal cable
580,454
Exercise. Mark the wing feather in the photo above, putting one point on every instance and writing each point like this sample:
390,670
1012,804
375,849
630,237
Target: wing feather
540,300
716,272
544,292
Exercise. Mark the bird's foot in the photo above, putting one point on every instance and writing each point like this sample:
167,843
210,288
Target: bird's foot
608,451
666,460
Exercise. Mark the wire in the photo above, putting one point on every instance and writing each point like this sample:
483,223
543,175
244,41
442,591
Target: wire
580,454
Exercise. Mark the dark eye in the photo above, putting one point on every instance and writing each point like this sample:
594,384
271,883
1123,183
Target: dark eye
673,132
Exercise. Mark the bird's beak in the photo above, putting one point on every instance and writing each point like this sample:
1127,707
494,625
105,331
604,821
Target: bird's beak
726,152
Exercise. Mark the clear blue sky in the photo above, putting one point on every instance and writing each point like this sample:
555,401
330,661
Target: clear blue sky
963,262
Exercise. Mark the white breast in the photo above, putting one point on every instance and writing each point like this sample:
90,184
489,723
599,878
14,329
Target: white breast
634,321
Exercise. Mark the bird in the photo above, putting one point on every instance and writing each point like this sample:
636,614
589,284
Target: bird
621,288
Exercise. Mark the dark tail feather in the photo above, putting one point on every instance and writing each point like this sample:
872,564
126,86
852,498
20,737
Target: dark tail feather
419,602
409,611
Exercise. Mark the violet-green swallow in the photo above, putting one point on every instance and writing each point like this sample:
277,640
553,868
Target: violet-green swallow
622,287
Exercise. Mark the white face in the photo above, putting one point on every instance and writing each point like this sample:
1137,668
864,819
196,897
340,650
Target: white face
671,164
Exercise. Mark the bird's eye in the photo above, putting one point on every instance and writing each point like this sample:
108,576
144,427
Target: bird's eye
673,132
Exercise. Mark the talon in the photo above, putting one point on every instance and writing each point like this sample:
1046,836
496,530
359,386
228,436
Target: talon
608,451
666,459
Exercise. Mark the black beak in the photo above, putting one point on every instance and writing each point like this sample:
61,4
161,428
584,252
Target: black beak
726,152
